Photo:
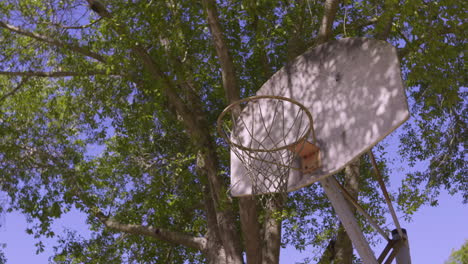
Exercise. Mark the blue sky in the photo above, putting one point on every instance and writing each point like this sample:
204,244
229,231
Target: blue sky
433,232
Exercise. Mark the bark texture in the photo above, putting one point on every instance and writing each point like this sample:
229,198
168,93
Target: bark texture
228,72
250,229
325,32
247,206
272,230
198,243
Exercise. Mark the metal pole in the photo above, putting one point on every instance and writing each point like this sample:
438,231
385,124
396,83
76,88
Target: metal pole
348,220
403,254
362,211
385,193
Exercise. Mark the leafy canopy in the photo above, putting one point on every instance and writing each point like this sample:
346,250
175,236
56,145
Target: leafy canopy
84,123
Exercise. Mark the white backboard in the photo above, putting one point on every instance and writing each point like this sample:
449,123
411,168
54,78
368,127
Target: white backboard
354,91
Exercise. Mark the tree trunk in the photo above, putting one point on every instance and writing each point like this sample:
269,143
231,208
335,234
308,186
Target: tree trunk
250,229
329,253
216,254
272,230
272,241
343,248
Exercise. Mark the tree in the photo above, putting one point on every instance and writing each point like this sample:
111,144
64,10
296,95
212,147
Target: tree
459,256
110,107
3,259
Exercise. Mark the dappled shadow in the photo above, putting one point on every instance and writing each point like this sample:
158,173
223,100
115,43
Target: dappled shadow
354,91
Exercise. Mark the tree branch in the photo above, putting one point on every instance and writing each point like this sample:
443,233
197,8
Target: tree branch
198,243
248,210
227,66
325,31
384,23
99,8
74,27
55,74
193,119
197,127
16,89
355,25
250,227
271,245
54,42
260,43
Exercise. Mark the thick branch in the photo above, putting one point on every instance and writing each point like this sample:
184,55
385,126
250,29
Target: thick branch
198,243
258,28
193,120
250,225
99,8
227,66
250,229
272,230
328,255
197,127
248,211
54,42
384,24
325,31
187,114
54,74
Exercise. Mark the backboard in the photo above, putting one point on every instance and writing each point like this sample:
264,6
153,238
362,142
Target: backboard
354,91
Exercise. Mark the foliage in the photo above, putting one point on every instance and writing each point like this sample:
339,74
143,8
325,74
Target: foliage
3,259
436,79
116,116
459,256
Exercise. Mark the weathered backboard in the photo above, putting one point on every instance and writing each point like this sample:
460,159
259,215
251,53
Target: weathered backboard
354,91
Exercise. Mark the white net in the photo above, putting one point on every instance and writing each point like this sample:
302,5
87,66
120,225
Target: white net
263,136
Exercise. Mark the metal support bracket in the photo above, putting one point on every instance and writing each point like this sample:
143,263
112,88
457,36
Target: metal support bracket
347,218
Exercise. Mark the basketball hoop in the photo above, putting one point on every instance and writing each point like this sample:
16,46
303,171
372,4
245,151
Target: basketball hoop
274,148
270,136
